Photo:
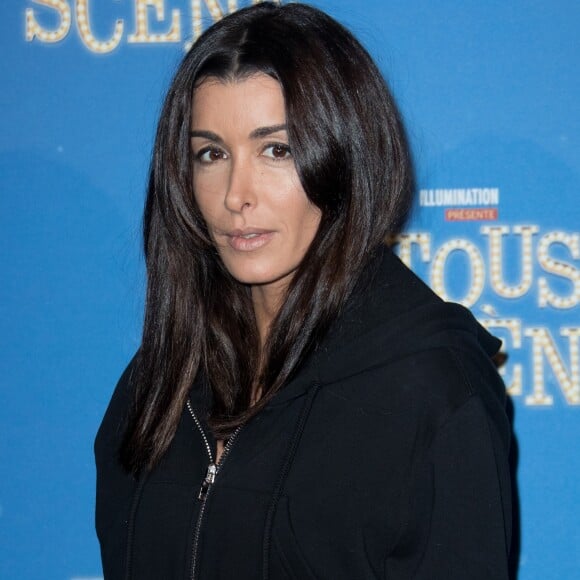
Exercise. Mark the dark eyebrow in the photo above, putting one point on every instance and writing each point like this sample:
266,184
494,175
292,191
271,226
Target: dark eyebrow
207,135
265,131
258,133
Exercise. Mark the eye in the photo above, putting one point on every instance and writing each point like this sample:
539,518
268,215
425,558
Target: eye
277,151
209,155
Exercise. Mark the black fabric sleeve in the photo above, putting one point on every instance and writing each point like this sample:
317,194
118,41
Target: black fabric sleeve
115,487
470,521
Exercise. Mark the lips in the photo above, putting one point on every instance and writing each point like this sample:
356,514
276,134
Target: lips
249,239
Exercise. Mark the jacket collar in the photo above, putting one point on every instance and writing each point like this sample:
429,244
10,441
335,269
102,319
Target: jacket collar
391,314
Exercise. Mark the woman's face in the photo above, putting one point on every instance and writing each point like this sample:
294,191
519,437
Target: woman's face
245,181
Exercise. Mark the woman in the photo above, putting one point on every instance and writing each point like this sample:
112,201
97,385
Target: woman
302,406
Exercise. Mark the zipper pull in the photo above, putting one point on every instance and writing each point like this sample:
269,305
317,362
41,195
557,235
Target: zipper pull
208,480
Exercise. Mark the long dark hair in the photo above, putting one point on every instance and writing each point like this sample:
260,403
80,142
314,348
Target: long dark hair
350,154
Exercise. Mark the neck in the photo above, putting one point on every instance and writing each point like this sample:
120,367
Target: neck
267,300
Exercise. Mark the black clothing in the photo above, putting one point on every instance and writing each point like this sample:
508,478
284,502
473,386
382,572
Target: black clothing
385,457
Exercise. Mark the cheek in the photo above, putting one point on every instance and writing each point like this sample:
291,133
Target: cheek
304,219
311,214
203,206
304,213
290,201
206,192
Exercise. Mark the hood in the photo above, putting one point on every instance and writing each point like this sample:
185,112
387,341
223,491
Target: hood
391,314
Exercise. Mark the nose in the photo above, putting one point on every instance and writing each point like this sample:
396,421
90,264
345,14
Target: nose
240,194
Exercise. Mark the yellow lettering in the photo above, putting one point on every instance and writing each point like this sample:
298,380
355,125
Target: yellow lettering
569,382
496,234
215,11
142,33
477,270
82,13
563,269
34,30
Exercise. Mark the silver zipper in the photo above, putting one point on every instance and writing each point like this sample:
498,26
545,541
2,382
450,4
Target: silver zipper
206,485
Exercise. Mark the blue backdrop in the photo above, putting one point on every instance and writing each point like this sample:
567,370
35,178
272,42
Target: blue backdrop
488,91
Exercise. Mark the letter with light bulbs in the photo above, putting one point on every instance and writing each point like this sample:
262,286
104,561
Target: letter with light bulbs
543,361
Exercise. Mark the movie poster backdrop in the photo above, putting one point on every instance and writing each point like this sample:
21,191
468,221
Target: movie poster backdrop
488,91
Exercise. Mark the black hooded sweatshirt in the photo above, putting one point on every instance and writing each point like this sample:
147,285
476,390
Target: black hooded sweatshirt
385,457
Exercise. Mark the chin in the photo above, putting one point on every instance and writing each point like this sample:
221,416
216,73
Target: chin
255,274
256,278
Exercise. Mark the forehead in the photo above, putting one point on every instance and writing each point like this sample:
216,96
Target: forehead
252,101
